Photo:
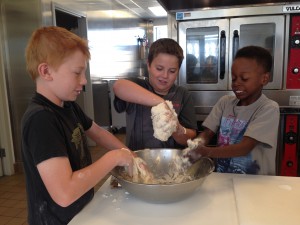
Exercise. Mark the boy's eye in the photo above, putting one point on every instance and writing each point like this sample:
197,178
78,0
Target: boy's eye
78,72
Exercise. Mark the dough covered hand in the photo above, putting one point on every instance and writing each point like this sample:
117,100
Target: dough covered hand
190,151
164,120
192,144
141,172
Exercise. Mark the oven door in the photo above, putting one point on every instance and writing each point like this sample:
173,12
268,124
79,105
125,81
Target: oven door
205,66
264,31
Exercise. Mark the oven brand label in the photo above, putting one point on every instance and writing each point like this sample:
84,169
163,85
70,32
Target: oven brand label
291,8
294,100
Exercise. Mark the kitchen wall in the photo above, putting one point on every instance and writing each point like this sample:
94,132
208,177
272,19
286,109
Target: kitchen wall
5,128
18,19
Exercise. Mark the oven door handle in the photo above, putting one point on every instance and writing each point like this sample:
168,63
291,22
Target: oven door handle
222,54
235,42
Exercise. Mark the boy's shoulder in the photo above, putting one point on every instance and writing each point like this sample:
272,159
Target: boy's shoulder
267,102
34,108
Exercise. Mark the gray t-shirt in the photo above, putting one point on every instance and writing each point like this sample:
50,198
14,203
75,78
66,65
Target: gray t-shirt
259,121
139,129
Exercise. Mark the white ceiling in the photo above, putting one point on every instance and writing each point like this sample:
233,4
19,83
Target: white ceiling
137,7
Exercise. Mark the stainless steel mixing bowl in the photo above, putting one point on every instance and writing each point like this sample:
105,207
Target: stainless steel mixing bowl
160,162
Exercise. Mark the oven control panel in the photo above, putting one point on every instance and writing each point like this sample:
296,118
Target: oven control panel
289,164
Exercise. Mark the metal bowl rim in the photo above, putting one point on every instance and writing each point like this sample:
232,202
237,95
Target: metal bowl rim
161,185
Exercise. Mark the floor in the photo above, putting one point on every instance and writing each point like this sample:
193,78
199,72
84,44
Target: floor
13,206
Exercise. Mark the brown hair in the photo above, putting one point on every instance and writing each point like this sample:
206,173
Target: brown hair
165,45
52,45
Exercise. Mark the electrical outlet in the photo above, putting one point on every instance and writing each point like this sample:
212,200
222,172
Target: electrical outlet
2,152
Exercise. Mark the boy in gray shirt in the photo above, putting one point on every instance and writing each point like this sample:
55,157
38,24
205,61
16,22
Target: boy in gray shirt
247,123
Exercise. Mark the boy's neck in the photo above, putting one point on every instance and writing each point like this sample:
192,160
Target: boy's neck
248,101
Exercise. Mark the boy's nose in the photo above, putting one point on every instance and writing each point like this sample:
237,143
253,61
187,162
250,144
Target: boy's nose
234,84
83,80
165,74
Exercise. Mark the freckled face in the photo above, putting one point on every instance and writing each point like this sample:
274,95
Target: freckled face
68,79
163,72
248,79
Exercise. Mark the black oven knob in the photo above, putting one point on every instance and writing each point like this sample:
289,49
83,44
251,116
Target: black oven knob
296,70
289,163
290,137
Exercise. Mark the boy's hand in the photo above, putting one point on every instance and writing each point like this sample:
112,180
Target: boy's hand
193,151
194,154
141,172
127,160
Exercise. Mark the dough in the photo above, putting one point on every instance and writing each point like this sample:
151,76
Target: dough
164,120
192,144
141,172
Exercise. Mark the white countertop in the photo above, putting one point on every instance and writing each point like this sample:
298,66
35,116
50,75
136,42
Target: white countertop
223,199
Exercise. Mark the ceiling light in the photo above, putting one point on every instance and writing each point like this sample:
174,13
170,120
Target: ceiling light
117,14
158,11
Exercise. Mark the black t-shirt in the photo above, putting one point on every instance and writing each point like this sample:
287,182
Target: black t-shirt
51,131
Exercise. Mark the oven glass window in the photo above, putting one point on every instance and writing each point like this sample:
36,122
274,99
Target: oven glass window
202,55
258,34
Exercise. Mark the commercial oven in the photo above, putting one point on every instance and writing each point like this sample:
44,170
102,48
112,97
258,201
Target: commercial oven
210,46
211,37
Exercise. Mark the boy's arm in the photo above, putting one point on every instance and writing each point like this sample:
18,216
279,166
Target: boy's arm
206,135
65,185
134,93
234,150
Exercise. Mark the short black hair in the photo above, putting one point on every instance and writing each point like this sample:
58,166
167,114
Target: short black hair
165,45
261,55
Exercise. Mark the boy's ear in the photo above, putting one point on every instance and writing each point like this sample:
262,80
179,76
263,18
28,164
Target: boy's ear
266,78
44,72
